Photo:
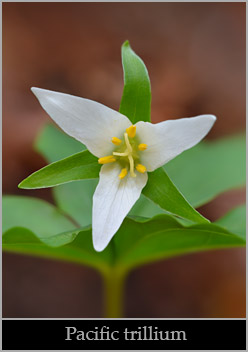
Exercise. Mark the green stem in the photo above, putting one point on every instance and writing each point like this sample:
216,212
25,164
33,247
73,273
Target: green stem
114,294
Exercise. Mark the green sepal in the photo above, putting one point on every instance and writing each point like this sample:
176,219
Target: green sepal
162,191
82,165
136,98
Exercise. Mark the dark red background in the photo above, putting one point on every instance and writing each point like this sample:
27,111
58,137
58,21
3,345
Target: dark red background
195,55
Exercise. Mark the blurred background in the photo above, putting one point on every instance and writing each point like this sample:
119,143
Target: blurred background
195,55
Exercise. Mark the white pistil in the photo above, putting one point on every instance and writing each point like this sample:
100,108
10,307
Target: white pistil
131,162
129,147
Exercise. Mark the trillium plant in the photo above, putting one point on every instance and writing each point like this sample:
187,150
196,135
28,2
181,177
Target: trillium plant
138,213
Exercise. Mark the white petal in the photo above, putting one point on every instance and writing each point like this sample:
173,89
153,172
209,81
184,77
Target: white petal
91,123
167,139
112,201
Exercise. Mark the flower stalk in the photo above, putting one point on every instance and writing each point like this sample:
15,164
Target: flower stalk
114,282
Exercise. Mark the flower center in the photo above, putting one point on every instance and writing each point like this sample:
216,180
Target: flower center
127,153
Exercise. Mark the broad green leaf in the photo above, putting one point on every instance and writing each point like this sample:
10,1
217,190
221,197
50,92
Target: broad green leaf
161,190
33,226
235,221
163,237
58,240
210,168
136,98
75,199
76,167
144,207
35,214
55,145
79,207
137,242
80,251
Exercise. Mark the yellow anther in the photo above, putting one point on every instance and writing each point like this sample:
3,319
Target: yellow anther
116,141
123,173
106,159
141,168
142,146
131,131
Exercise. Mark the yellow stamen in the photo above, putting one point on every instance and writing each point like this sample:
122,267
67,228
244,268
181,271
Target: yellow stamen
142,146
123,173
116,141
127,153
141,168
106,159
131,131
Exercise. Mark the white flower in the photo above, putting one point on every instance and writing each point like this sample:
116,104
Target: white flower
127,152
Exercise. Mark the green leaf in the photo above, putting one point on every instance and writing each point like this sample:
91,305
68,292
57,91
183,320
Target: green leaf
79,166
210,168
51,241
75,199
140,242
235,221
161,190
144,207
35,214
136,98
80,251
33,226
137,242
55,145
